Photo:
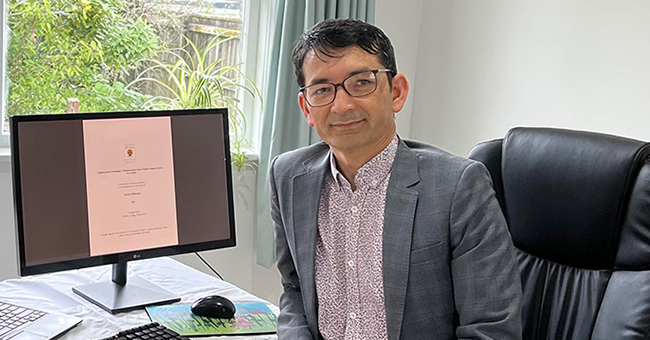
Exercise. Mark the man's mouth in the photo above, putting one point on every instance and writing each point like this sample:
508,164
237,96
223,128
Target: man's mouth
348,124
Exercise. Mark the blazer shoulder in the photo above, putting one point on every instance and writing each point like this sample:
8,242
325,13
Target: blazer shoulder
296,161
438,168
436,159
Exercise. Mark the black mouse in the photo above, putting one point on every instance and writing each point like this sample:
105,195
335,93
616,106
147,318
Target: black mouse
214,306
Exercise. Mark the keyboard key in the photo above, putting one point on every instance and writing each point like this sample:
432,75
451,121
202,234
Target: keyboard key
150,331
14,316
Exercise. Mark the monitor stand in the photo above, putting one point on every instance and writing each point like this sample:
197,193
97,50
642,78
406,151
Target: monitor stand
117,296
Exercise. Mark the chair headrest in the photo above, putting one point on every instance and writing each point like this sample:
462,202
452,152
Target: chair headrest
566,192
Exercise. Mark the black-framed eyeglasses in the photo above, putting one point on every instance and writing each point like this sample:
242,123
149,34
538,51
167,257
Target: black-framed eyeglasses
357,85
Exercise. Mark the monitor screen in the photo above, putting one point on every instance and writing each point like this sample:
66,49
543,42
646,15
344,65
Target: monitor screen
106,188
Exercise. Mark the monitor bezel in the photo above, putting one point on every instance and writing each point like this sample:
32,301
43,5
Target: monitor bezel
91,261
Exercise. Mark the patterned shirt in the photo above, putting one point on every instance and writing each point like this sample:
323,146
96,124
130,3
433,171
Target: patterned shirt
349,277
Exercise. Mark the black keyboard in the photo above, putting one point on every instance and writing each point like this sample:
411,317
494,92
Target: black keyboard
150,331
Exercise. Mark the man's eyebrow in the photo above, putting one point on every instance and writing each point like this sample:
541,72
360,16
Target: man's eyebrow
319,81
327,80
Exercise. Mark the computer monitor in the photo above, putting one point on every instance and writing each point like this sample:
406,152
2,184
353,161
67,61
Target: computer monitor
107,188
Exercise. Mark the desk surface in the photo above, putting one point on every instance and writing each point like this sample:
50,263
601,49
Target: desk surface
53,292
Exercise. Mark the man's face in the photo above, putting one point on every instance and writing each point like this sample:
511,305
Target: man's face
350,123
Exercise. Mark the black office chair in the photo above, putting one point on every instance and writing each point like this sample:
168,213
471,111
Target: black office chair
578,208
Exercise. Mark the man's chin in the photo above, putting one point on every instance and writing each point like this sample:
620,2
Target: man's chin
345,143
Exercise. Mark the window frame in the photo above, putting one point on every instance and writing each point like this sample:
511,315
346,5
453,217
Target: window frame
258,32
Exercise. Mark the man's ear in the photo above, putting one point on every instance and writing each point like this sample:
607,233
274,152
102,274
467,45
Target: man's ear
400,91
305,108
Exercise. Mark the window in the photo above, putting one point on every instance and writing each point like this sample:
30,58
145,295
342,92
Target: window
259,20
4,128
130,55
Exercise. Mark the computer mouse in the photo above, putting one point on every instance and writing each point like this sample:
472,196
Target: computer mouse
214,306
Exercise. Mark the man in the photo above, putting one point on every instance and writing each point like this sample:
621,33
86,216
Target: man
379,237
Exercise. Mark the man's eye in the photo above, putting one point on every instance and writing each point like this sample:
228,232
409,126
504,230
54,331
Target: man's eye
321,90
362,82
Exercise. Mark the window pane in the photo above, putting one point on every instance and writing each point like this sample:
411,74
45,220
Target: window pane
123,55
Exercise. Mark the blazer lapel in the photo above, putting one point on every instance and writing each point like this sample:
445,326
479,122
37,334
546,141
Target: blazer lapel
306,198
399,215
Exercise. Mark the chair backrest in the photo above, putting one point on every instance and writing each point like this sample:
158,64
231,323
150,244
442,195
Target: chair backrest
578,208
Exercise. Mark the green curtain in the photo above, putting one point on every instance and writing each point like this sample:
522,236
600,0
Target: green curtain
283,125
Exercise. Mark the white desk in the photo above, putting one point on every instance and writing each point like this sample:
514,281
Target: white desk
53,292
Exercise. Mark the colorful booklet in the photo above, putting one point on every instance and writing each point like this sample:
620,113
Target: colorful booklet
251,318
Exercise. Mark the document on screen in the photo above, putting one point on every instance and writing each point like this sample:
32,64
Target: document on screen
129,184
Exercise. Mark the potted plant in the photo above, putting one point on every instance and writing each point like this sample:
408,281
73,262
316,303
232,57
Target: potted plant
193,80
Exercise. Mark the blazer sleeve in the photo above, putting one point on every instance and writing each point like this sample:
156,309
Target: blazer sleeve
486,281
292,323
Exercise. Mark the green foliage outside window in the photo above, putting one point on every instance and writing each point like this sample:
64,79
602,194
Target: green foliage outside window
62,49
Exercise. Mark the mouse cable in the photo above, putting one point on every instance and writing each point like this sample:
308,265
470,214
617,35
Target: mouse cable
209,266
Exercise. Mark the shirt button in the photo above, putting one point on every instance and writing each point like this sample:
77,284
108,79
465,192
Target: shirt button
354,209
374,183
353,315
351,263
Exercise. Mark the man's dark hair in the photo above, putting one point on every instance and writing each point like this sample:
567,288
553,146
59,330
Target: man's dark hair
331,35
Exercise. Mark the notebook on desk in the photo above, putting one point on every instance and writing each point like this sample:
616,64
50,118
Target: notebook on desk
23,323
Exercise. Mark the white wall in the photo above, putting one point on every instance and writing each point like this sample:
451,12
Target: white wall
486,66
8,259
400,20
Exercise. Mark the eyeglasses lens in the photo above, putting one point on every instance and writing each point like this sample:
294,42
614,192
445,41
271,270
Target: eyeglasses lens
357,85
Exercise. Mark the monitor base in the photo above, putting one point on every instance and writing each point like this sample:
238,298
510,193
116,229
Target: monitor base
115,298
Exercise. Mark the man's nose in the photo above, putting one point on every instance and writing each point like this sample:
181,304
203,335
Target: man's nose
342,100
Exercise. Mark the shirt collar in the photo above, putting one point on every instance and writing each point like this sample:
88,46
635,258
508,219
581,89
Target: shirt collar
373,172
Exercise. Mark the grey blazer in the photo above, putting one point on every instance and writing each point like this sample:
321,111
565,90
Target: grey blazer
449,266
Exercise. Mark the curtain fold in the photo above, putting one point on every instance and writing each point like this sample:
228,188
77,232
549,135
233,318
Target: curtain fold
283,127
